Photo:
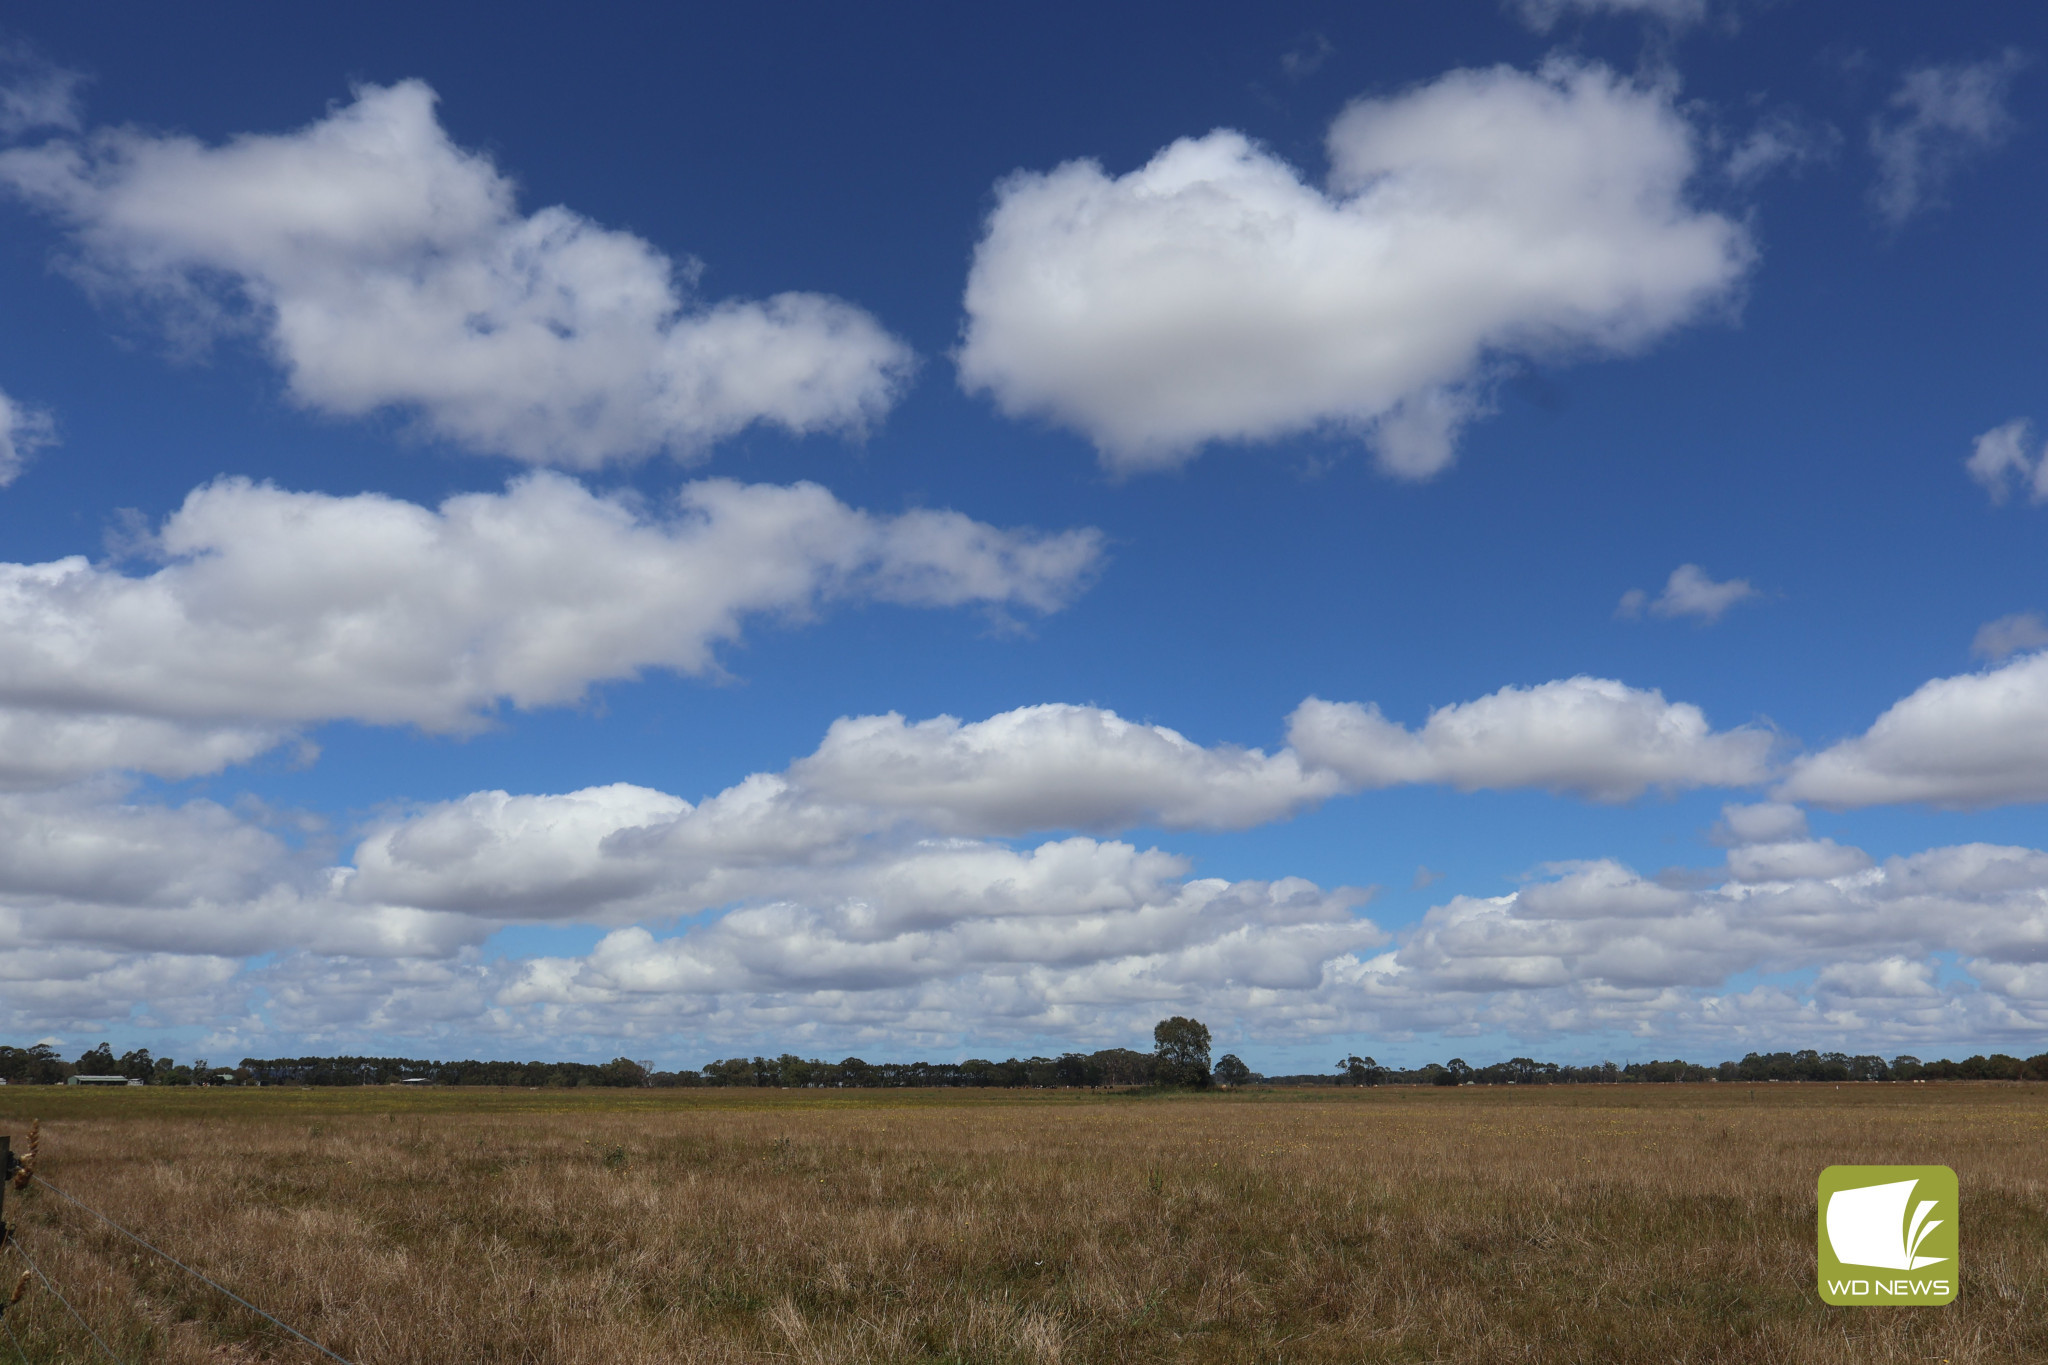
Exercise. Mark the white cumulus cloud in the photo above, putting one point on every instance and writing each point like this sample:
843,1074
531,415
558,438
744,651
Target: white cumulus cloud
1083,938
1213,294
878,810
387,267
1690,591
767,911
1077,905
1795,860
98,889
274,609
909,793
1592,737
803,898
1055,766
879,785
880,860
1759,822
1769,842
1978,739
41,745
1598,946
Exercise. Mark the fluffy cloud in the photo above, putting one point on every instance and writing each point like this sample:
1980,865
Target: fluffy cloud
1077,906
387,267
23,431
1047,767
1795,860
1082,939
1592,737
872,890
808,900
831,830
1762,822
878,786
1213,295
880,862
40,746
1688,592
96,880
89,846
152,990
88,867
597,856
804,919
1999,461
528,857
1598,946
276,609
1941,117
1770,843
1974,740
1076,767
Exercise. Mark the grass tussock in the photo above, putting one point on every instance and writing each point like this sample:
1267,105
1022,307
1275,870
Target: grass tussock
1569,1224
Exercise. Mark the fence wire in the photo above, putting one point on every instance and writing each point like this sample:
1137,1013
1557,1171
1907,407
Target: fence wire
59,1295
197,1275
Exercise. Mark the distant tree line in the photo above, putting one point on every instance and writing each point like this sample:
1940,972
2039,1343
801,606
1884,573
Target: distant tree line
40,1065
620,1071
1179,1058
1114,1066
1807,1065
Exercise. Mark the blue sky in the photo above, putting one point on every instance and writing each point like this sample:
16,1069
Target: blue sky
1471,529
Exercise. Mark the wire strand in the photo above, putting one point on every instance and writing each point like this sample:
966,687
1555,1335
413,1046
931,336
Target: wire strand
189,1270
15,1339
16,1244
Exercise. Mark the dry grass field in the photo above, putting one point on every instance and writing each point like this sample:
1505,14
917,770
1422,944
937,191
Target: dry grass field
1583,1224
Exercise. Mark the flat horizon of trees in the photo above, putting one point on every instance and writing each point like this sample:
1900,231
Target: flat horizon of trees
1807,1065
1180,1058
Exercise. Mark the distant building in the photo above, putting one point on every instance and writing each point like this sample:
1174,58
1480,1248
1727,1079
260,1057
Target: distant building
101,1080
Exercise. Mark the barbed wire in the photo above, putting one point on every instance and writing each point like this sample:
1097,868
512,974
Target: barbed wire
25,1164
76,1315
197,1275
15,1339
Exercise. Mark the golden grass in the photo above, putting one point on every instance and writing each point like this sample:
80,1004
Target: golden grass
1581,1224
